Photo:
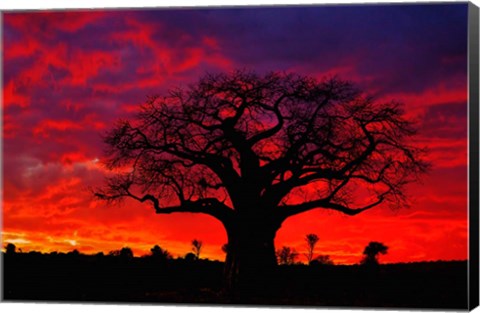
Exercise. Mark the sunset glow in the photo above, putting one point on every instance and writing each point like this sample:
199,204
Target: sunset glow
68,76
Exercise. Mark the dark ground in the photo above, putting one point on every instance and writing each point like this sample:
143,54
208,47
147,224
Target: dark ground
74,278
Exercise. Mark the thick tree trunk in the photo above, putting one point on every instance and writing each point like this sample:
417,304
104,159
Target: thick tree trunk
251,260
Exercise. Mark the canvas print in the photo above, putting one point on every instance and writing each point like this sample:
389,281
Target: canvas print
274,155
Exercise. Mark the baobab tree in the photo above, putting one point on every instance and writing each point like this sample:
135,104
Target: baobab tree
253,150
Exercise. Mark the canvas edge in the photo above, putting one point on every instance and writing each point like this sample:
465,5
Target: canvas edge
473,144
2,296
473,99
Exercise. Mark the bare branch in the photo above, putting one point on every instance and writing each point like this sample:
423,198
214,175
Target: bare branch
290,210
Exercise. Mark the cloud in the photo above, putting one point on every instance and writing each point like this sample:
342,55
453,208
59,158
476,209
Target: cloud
47,23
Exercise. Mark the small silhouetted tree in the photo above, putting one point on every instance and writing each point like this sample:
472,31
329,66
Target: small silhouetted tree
311,240
160,254
239,147
74,253
322,260
190,257
197,247
99,255
286,255
124,253
114,253
10,249
371,252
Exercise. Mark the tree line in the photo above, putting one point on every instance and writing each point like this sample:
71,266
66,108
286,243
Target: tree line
285,255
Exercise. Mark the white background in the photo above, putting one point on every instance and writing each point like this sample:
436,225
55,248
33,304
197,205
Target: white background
77,308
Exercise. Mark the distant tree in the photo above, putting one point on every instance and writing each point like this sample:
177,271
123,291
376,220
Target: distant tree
10,249
197,247
38,254
74,253
35,253
124,253
160,254
371,252
311,240
322,260
286,256
190,257
99,255
114,253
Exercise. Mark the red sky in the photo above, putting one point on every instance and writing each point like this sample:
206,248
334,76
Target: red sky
69,75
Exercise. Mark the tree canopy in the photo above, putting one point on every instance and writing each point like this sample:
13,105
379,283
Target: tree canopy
371,252
278,144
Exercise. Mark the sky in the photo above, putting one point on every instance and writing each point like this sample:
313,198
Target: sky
69,75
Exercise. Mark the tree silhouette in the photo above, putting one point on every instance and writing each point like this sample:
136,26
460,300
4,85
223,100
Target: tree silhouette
371,252
115,253
124,253
160,254
10,249
197,247
245,148
286,255
99,255
311,240
74,253
190,257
